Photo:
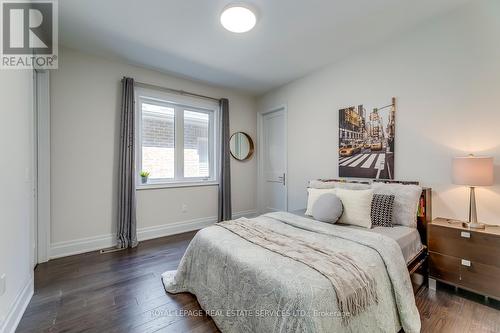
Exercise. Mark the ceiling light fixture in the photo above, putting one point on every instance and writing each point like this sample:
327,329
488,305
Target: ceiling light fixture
238,18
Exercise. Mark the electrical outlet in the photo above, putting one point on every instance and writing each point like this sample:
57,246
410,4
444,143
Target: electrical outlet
2,284
184,208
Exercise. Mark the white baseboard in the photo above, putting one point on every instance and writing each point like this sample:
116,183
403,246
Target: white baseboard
246,213
82,245
174,228
17,310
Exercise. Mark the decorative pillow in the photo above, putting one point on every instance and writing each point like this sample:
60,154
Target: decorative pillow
327,208
314,194
382,210
406,200
357,207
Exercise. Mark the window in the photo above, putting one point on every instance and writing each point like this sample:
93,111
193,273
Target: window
176,139
196,138
158,141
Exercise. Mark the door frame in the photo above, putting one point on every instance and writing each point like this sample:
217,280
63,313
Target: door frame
42,165
260,155
34,172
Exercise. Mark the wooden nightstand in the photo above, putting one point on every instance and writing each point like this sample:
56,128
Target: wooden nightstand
466,258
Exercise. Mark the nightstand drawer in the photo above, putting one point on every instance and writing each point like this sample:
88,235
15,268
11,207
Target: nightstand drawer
466,274
480,278
474,246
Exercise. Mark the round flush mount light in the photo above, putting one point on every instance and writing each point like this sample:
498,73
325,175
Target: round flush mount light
238,18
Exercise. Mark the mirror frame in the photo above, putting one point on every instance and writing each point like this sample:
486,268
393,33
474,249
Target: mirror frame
250,144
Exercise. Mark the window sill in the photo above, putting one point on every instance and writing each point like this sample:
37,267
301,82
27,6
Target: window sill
152,186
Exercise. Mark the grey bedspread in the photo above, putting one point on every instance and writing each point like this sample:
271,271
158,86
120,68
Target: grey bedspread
247,288
354,287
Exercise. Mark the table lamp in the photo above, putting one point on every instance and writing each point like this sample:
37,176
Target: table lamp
473,171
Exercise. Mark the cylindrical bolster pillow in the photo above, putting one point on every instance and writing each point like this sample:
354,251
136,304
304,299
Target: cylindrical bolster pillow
327,208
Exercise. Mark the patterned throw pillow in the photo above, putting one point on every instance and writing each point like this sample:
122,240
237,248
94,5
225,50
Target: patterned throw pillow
382,210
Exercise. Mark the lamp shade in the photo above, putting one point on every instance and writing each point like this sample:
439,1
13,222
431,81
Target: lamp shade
473,171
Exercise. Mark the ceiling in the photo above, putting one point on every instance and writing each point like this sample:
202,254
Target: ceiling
291,39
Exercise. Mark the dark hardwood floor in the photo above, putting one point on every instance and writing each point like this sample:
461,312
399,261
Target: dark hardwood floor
122,292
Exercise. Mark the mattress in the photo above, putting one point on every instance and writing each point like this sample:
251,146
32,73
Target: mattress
407,238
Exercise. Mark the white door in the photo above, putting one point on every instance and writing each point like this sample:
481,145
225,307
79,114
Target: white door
273,163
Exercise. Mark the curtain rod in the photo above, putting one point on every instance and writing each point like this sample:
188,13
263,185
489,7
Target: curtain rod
177,91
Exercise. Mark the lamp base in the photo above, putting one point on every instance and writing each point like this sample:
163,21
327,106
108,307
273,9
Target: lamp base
475,225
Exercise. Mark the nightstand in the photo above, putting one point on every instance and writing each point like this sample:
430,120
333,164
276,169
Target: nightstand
465,258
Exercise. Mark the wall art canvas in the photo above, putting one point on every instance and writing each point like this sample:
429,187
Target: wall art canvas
366,140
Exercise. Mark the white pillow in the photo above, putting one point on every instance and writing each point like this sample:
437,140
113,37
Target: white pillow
406,199
357,207
314,194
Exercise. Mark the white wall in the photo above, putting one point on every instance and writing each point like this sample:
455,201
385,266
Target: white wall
445,75
16,204
85,98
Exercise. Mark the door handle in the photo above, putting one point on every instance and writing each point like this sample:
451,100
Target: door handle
282,179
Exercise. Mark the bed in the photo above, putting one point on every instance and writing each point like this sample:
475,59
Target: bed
248,287
407,238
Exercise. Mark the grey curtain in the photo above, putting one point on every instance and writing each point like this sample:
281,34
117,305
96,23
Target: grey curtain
127,224
225,212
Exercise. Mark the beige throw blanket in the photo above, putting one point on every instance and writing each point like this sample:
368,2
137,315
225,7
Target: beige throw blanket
354,288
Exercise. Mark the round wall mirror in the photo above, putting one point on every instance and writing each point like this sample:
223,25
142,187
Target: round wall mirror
241,146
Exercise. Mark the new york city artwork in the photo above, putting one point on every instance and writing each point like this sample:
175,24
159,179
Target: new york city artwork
366,140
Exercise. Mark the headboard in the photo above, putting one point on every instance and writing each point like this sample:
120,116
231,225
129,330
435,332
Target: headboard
424,213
